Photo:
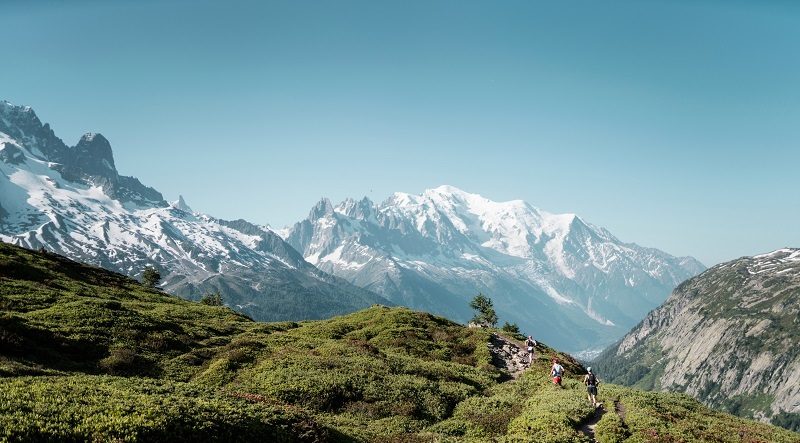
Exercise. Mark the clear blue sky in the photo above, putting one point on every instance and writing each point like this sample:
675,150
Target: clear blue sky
675,124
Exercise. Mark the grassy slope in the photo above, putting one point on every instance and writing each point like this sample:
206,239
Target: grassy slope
90,355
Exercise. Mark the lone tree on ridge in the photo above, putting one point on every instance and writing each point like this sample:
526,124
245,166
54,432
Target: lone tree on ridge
484,310
151,277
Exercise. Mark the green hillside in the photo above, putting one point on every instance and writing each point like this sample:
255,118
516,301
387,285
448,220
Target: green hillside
88,355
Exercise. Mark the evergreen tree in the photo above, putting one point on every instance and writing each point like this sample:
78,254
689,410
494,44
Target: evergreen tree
151,277
484,310
511,328
212,299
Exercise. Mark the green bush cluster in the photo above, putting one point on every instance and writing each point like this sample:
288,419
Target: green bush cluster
102,408
611,428
551,414
374,365
212,299
787,420
655,416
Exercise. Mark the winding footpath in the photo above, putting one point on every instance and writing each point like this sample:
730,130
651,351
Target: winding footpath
587,426
508,354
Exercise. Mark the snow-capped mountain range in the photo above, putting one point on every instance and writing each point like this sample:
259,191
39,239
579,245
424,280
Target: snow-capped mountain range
72,201
568,282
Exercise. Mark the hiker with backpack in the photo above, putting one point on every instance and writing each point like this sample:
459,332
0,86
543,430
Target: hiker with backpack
530,344
591,382
556,372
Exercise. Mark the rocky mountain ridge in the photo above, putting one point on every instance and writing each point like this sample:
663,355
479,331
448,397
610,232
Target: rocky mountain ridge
728,337
559,277
72,201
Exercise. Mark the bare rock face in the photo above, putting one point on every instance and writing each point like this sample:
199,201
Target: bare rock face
508,355
729,337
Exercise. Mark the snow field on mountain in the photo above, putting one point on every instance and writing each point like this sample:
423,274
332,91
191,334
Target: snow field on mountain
436,249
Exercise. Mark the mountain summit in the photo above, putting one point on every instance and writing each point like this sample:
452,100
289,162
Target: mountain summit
71,200
565,280
90,163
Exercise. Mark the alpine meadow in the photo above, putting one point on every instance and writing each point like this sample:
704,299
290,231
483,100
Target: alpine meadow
76,336
400,222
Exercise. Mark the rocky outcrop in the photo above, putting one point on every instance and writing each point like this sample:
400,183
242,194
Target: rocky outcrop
89,162
728,337
508,356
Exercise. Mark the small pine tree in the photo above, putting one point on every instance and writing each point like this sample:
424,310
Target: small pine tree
212,299
511,328
151,277
484,310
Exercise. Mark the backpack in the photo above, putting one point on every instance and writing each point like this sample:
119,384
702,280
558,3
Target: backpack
591,380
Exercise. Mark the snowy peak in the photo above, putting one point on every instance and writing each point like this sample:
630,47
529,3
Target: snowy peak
21,124
431,249
454,198
449,190
91,137
513,227
18,115
181,205
94,156
358,209
89,163
72,201
321,209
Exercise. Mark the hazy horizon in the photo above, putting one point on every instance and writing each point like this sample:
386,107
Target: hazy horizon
672,124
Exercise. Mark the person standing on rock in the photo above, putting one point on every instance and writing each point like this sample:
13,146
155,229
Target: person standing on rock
591,382
530,344
556,372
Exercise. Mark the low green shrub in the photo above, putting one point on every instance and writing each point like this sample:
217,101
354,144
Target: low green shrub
206,373
659,416
102,408
611,429
121,361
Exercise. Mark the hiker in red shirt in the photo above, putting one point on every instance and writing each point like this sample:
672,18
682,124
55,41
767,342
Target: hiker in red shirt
556,372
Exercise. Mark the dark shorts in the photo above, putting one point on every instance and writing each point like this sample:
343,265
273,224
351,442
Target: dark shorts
592,390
